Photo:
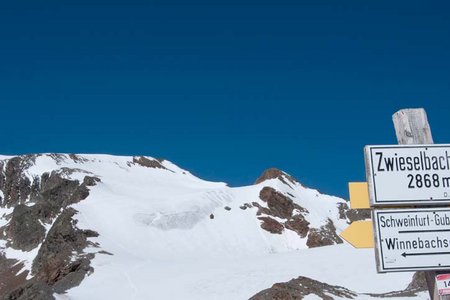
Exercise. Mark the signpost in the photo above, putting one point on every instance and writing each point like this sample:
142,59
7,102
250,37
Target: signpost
406,174
412,239
408,187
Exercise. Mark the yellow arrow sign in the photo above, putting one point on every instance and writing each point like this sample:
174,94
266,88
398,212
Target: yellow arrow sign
359,234
359,195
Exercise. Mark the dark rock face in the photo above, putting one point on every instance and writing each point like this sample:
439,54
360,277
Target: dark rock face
11,279
343,208
353,215
418,282
358,214
298,224
15,185
324,236
24,229
77,158
245,206
271,225
54,193
300,287
73,274
91,180
53,262
279,205
261,210
149,163
60,263
60,192
273,173
31,290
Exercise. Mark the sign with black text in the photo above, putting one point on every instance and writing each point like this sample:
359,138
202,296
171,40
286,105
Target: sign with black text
443,284
412,239
408,174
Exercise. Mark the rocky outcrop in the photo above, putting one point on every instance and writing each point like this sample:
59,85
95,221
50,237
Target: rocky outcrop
15,185
353,215
274,173
271,225
25,231
61,192
301,287
77,158
11,277
283,207
148,163
61,262
279,205
31,290
261,209
323,236
90,181
418,282
53,193
55,259
298,224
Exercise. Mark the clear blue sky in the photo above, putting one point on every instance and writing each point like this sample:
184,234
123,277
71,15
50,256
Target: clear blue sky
223,88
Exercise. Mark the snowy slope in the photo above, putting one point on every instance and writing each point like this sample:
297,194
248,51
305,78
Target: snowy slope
238,278
166,234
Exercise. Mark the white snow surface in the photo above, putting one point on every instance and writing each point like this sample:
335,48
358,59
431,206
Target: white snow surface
156,224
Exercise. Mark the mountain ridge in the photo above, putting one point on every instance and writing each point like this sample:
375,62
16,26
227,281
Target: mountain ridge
90,214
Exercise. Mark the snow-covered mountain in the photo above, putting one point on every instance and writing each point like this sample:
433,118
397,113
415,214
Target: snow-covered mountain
110,227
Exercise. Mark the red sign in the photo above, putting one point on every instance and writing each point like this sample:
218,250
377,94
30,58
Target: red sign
443,284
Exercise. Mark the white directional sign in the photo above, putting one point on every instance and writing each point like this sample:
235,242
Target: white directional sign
412,239
408,174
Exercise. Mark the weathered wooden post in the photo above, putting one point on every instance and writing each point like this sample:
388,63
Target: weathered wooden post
411,127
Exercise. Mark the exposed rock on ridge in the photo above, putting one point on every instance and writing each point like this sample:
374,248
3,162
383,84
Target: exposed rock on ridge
324,236
55,263
301,287
149,163
274,173
281,206
43,200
